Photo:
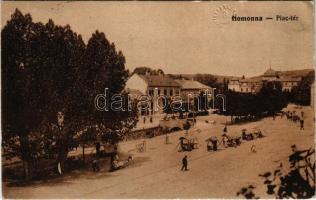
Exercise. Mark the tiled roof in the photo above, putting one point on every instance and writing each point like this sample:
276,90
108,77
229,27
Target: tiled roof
190,84
252,80
159,81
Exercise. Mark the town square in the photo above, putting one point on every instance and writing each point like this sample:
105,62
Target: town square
157,100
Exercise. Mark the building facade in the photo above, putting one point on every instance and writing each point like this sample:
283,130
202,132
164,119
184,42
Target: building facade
191,88
254,84
154,86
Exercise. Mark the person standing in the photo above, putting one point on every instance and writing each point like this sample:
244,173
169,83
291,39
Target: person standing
225,129
95,166
302,123
184,163
167,139
97,148
214,143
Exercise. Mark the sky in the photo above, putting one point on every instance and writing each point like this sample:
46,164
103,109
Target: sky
189,37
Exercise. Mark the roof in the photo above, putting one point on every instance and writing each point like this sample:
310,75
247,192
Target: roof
270,72
235,79
251,80
159,81
290,79
190,84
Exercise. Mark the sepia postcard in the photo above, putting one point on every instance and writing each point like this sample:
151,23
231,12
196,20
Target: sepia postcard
157,99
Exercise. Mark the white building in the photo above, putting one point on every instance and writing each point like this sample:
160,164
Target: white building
152,86
254,84
155,85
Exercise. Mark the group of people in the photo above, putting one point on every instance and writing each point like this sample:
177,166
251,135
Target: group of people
227,141
292,116
115,162
251,136
186,144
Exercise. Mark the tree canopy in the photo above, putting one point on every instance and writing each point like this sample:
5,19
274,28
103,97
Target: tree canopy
48,73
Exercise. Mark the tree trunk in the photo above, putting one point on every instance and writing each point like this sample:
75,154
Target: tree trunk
26,158
62,157
28,170
83,157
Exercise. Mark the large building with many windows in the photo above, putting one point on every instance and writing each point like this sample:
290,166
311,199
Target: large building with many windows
154,86
254,84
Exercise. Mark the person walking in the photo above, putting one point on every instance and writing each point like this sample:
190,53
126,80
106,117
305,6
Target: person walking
184,163
95,166
167,139
97,148
225,129
302,123
214,143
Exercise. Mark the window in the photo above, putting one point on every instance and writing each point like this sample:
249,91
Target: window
151,92
165,91
158,91
177,92
241,89
171,92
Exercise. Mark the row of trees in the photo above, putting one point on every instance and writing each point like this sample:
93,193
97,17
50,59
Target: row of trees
147,70
268,101
49,73
301,94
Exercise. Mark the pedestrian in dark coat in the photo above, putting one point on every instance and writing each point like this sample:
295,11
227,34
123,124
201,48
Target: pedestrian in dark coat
302,124
184,163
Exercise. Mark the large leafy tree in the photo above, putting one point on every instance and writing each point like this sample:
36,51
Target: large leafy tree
58,59
104,70
271,98
268,101
49,81
301,94
21,107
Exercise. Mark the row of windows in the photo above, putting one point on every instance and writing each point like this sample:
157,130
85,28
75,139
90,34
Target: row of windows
164,92
249,84
289,84
246,90
249,90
